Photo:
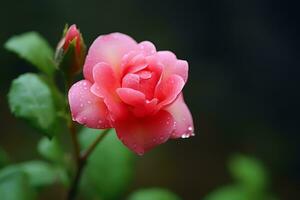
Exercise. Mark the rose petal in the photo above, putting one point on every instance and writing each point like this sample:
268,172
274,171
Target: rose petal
131,96
168,90
148,108
105,86
172,65
181,68
142,134
183,119
105,78
86,108
108,49
147,48
131,81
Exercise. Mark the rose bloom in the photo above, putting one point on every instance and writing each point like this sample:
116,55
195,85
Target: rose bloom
135,89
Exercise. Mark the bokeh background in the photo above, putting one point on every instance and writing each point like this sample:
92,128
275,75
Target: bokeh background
243,88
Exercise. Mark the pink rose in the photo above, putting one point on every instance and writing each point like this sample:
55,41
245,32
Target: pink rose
135,89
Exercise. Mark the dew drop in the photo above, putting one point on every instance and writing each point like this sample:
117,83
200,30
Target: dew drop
190,128
185,135
84,83
89,102
100,121
81,105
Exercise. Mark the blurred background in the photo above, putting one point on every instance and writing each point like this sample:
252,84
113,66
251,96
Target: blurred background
243,88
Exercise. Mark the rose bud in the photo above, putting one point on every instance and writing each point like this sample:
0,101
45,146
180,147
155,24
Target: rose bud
70,52
135,89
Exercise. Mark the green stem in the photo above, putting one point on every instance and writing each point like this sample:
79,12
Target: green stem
91,148
81,164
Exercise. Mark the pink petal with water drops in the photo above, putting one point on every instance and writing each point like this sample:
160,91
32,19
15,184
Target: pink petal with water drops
109,49
86,108
184,127
142,134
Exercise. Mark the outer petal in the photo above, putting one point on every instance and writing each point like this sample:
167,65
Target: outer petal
109,49
172,65
87,108
142,134
105,86
184,127
147,48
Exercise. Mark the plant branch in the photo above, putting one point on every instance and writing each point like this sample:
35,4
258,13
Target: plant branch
91,148
82,162
74,141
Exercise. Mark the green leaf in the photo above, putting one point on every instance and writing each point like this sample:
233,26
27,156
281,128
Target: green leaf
109,169
30,98
249,172
232,192
51,149
34,48
60,104
39,173
153,194
15,186
3,158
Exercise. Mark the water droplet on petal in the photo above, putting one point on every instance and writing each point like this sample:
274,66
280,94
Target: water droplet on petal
84,83
190,128
89,102
185,135
81,105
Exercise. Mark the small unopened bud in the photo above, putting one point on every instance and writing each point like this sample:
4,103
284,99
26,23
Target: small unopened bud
70,52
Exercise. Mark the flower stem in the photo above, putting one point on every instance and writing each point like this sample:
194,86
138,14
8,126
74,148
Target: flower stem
82,162
75,142
91,148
